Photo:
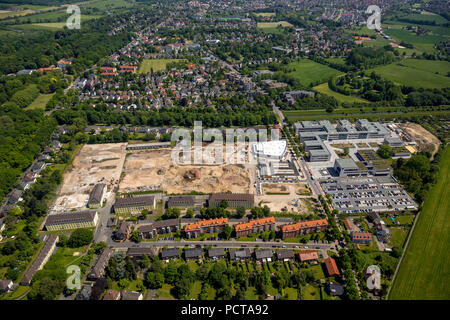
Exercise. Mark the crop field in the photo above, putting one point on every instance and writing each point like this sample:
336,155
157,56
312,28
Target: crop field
421,75
156,64
308,71
265,14
325,89
422,42
424,272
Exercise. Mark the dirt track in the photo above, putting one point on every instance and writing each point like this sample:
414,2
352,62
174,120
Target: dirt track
425,140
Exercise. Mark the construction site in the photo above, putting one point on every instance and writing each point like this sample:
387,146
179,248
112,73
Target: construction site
94,163
154,170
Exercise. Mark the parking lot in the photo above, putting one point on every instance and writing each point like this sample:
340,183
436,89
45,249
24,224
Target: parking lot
352,195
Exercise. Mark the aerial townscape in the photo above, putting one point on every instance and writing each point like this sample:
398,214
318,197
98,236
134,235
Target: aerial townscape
326,176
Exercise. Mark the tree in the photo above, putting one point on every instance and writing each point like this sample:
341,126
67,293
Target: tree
385,151
226,232
189,213
97,246
145,262
80,237
135,236
240,212
154,280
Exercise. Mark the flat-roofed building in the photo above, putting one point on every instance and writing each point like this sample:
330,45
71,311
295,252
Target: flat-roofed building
193,230
303,227
393,142
98,270
159,227
71,220
134,205
254,226
275,149
43,256
234,200
97,196
349,168
321,155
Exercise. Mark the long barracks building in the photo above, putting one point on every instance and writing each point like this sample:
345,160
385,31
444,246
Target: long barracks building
194,230
303,227
253,226
234,200
71,220
134,205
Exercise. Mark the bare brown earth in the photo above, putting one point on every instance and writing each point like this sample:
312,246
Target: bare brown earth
155,170
425,140
95,163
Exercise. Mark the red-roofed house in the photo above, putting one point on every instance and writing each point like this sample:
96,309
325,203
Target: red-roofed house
331,267
308,256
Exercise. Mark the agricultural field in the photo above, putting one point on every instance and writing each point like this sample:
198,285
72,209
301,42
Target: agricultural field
342,98
266,25
156,64
409,74
424,273
308,71
265,14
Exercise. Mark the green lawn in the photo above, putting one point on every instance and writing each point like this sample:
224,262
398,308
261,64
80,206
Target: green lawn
424,272
416,74
156,64
40,101
398,237
270,25
323,88
311,292
164,292
308,71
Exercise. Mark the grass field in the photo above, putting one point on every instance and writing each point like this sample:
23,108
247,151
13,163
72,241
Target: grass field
308,71
325,89
265,14
424,272
156,64
407,73
423,42
398,237
40,101
268,25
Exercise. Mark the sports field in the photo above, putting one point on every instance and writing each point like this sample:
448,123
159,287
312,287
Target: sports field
424,272
414,73
308,71
157,65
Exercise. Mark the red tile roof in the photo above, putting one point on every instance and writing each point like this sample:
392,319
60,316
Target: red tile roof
304,224
331,266
205,223
308,255
252,223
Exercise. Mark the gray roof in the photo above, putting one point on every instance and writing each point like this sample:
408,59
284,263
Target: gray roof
240,253
193,253
102,261
52,239
285,254
263,254
131,295
96,193
347,163
134,201
216,252
170,253
70,217
139,251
